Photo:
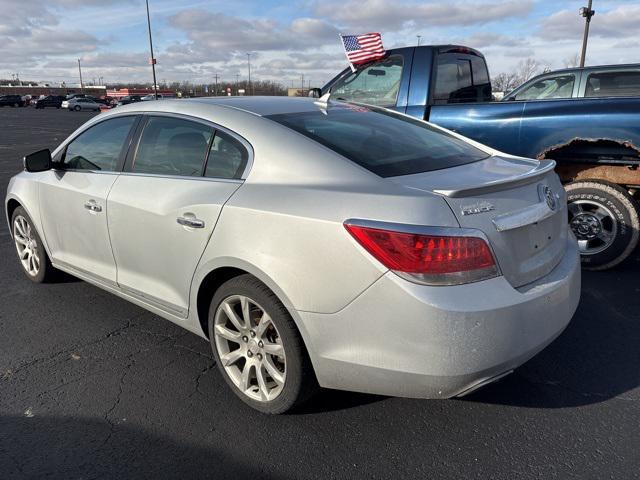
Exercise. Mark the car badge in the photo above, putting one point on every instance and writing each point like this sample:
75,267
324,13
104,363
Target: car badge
479,207
547,195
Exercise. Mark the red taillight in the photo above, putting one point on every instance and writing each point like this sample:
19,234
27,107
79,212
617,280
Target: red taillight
432,259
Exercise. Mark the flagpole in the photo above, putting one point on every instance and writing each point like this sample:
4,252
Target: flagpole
353,69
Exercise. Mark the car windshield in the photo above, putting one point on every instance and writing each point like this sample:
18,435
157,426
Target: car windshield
383,142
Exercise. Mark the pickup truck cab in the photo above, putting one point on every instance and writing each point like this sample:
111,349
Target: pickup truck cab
586,82
592,134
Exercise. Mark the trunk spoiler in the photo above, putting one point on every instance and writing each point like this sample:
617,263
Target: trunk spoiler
541,169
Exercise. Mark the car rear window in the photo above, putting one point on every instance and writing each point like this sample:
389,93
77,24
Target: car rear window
381,141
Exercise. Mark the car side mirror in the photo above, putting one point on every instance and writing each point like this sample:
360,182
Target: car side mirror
38,161
315,93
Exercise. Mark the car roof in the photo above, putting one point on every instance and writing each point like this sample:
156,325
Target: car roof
622,66
261,106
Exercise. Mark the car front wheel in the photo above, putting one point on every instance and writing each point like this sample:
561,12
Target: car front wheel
31,253
605,220
77,108
258,348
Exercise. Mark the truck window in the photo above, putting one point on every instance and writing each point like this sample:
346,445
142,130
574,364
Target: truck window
560,86
613,84
376,84
461,78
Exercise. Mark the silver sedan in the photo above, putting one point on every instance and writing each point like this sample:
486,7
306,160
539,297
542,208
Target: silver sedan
311,243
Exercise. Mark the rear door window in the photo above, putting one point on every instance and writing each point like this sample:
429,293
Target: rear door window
383,142
560,86
172,146
461,78
613,84
376,84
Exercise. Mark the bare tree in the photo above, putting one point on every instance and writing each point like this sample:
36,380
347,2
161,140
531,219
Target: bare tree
505,82
527,69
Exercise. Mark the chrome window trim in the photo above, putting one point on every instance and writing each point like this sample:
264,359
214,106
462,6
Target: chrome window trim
181,177
241,139
245,143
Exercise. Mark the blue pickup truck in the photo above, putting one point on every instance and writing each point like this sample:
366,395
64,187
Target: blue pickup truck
588,120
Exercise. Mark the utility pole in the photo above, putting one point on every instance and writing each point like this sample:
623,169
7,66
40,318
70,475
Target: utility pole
302,91
237,83
249,67
152,61
215,93
419,37
80,73
587,13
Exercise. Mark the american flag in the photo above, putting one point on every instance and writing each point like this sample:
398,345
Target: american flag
363,48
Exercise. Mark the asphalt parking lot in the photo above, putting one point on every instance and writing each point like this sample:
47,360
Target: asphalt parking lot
94,387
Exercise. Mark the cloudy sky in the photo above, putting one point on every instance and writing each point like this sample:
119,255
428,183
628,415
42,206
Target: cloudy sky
42,39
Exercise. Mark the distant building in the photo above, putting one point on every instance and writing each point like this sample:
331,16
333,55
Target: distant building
125,92
46,89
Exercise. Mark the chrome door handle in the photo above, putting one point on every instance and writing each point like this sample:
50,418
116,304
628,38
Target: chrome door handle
190,222
92,206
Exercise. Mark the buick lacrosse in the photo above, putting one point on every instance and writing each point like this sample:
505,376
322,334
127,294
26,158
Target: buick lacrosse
311,242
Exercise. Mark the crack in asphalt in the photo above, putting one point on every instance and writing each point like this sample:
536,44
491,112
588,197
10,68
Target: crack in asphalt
202,373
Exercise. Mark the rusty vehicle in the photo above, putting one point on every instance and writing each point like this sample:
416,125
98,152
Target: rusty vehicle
587,120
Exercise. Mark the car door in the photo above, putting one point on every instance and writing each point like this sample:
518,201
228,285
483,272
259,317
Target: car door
164,207
73,197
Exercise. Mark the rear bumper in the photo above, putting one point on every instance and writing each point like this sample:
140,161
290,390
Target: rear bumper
402,339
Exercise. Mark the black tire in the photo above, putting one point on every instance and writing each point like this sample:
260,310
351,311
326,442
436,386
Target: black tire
623,222
15,105
300,383
46,272
77,108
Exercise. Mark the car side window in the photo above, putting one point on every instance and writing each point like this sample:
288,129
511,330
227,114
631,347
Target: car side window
172,146
613,84
227,158
99,147
560,86
461,78
376,84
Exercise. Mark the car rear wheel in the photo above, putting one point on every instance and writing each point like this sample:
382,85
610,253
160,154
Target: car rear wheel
258,348
605,219
31,253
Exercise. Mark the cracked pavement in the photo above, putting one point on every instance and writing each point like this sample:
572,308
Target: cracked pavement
94,387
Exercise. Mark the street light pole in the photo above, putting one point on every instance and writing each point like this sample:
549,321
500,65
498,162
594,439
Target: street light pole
80,73
249,67
587,13
419,37
237,83
153,60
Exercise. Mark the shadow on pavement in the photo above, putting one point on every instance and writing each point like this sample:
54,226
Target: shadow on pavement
64,447
596,358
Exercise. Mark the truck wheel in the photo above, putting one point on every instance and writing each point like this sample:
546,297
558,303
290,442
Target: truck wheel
605,219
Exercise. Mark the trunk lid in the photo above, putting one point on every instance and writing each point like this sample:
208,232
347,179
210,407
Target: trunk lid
519,204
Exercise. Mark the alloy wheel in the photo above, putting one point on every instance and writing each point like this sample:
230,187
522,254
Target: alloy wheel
593,224
27,245
250,348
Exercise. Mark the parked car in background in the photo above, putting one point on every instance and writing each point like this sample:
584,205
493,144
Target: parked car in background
588,82
151,96
11,101
393,257
588,120
77,104
50,101
129,99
